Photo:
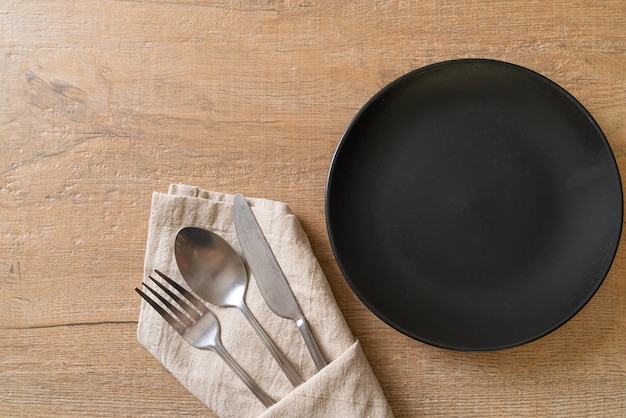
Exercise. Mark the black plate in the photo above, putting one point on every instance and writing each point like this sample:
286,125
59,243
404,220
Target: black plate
474,205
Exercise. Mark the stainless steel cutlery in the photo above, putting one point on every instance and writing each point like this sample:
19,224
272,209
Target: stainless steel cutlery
269,276
198,326
216,273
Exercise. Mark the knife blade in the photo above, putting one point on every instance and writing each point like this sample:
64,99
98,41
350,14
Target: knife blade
269,276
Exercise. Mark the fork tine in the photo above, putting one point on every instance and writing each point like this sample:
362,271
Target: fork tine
186,306
179,314
168,318
187,294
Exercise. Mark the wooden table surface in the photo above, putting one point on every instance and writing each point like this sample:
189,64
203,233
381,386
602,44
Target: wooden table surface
104,102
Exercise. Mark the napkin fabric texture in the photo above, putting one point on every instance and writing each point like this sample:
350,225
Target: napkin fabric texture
347,387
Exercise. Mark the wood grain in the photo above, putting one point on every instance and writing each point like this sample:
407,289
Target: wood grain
102,103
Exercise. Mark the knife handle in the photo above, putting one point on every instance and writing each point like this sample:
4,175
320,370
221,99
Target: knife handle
314,349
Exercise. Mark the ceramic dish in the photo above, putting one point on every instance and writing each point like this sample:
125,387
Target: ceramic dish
474,205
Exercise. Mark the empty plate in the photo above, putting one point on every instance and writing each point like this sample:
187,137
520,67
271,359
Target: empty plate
474,205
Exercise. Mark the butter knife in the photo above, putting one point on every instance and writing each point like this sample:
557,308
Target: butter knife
269,276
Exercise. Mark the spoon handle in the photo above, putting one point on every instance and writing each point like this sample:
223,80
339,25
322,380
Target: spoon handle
265,399
284,364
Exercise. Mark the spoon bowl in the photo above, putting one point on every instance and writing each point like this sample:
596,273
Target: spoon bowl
211,267
216,273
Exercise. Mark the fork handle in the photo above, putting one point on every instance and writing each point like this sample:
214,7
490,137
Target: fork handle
265,399
280,358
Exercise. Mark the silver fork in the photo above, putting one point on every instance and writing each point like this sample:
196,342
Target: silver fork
199,327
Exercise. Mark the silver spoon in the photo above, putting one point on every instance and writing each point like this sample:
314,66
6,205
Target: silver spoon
213,270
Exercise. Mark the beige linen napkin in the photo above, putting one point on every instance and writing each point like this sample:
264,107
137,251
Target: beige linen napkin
347,387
